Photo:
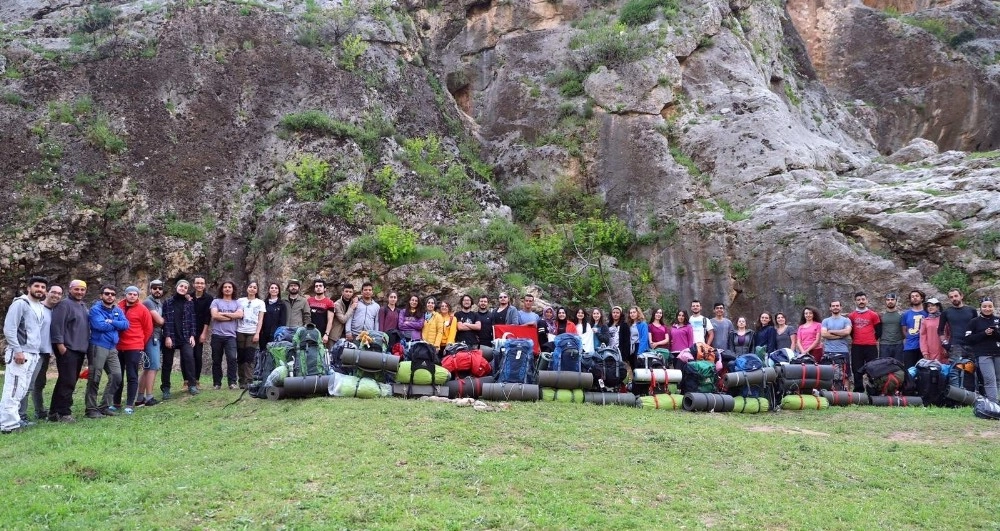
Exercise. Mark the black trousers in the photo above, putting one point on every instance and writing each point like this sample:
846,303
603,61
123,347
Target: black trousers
187,364
860,355
69,366
199,351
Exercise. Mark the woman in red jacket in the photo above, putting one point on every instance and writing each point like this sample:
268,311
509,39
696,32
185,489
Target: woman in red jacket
131,344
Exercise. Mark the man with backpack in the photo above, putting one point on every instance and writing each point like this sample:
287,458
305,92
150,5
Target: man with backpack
22,329
702,326
953,325
721,327
321,310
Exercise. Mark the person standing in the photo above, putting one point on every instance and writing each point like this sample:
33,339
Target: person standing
388,319
505,313
179,329
343,311
681,333
866,329
248,333
702,326
433,330
526,315
70,334
953,325
151,362
39,376
202,321
602,334
658,333
226,312
621,333
22,329
835,331
468,323
787,335
106,322
275,315
910,326
890,344
765,337
485,316
983,340
638,332
131,343
411,320
365,315
449,326
298,307
931,347
809,336
321,310
740,338
721,327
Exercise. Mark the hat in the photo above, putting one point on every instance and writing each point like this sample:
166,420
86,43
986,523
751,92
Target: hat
890,295
933,300
156,282
131,289
293,281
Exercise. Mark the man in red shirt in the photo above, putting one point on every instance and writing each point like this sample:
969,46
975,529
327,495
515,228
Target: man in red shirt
321,309
131,344
866,329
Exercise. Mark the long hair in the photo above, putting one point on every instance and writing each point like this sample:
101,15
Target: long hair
815,313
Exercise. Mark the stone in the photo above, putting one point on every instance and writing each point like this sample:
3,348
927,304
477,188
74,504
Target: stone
918,149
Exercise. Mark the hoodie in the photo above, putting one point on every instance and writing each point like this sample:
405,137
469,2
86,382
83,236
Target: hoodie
105,323
140,327
23,327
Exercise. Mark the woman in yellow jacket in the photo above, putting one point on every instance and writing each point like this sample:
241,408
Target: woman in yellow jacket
441,326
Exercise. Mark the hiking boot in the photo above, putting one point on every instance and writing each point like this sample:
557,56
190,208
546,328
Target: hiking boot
166,394
152,402
68,419
109,411
193,390
94,414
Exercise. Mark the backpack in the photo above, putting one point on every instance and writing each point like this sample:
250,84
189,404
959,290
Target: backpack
884,376
607,367
455,348
780,357
698,377
310,356
962,374
275,355
749,363
804,358
422,355
647,381
516,362
566,356
985,408
703,352
372,341
841,372
337,353
932,384
467,363
284,333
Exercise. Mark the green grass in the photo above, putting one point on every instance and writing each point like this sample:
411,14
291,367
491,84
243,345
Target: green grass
395,464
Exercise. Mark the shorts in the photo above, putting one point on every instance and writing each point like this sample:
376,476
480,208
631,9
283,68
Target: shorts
151,357
245,341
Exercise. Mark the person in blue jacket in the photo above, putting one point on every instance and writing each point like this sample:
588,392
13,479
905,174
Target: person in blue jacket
106,320
638,333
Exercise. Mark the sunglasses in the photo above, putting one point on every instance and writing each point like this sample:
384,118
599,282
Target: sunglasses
109,294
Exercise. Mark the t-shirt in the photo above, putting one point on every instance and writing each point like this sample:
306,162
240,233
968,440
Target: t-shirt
657,332
808,333
225,328
318,309
891,332
957,320
486,332
526,318
911,320
251,314
469,337
155,305
863,327
701,325
722,328
784,339
833,324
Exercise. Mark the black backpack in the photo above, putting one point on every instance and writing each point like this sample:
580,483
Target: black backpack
886,377
607,367
422,355
932,385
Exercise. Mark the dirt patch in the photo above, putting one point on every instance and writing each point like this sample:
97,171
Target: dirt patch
909,436
789,431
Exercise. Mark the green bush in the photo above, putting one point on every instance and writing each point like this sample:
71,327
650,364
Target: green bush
351,48
312,176
386,178
96,17
610,236
524,202
613,45
102,136
949,277
569,81
639,12
373,129
191,232
344,203
393,244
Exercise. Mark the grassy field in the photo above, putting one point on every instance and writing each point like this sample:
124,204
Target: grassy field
345,463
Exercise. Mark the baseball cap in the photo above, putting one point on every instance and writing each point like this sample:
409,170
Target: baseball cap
156,282
890,295
293,281
933,300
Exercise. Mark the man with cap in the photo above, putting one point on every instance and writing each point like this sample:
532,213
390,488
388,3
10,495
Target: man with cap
931,347
106,323
890,344
298,307
22,328
179,331
151,361
70,334
131,343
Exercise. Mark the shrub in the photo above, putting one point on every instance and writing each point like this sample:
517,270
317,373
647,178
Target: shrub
351,48
312,176
386,178
963,37
569,81
344,203
612,45
639,12
393,243
609,236
191,232
949,277
96,17
102,136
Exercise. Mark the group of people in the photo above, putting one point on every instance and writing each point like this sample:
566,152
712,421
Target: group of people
142,338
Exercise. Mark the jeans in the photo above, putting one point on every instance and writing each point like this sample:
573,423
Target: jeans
69,366
35,389
222,345
187,364
102,360
860,355
909,358
129,360
990,368
17,379
894,350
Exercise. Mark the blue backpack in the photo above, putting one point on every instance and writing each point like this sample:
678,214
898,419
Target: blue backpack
516,363
749,363
567,353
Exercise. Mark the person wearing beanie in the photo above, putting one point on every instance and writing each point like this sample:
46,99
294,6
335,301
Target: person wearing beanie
179,330
131,344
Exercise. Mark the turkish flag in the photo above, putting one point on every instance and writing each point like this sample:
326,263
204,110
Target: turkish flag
518,332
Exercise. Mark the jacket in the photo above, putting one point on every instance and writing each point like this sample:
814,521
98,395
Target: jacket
433,332
140,327
930,341
342,313
411,327
298,312
275,315
643,336
766,337
173,319
23,328
449,329
978,341
745,348
71,325
364,317
105,324
388,319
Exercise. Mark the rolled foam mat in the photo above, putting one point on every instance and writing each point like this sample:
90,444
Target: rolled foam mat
897,401
303,386
574,396
800,402
510,391
275,393
795,371
345,385
750,405
845,398
716,402
416,391
370,361
610,399
741,378
487,352
807,384
647,375
962,396
565,379
468,387
423,376
664,401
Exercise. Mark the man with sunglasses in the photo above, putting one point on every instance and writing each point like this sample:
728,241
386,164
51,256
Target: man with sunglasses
106,321
505,313
151,362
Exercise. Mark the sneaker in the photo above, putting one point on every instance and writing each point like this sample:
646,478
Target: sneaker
140,402
115,407
166,394
109,411
216,387
41,415
129,411
193,390
66,418
151,402
234,386
94,414
27,424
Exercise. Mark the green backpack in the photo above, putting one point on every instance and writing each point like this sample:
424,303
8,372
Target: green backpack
309,352
698,377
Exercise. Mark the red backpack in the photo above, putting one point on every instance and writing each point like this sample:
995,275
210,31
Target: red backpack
467,363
